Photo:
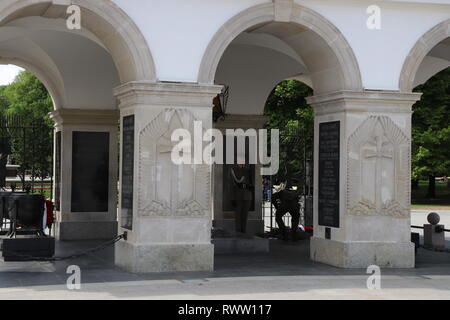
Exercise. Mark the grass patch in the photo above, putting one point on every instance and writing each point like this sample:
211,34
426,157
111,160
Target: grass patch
441,202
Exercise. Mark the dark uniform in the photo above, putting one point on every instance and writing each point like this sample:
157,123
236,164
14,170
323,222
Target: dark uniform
286,201
242,195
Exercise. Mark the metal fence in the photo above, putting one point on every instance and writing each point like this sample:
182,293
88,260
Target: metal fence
296,172
26,156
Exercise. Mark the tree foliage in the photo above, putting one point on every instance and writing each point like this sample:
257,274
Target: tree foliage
431,128
3,100
289,112
27,98
287,107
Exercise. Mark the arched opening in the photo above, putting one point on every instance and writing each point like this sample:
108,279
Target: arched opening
430,167
288,109
106,24
26,142
428,56
427,71
44,77
8,73
304,35
250,55
80,68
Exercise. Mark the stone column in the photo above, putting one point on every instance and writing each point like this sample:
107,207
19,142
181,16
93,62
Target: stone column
86,165
165,209
223,216
362,179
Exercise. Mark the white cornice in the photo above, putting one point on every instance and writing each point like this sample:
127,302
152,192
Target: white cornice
363,101
85,117
167,94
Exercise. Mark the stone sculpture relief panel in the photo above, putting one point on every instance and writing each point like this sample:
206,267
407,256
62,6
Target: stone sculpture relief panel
167,189
378,173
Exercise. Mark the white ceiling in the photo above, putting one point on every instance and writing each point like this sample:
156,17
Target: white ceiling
75,67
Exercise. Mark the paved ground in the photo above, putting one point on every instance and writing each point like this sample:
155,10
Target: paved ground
285,273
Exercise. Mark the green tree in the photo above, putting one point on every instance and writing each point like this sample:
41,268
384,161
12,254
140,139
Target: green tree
27,98
287,106
3,100
289,112
431,131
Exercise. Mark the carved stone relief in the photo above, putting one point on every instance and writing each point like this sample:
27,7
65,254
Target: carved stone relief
167,189
378,173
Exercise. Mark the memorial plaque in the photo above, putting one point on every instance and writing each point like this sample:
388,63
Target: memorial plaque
329,162
90,171
58,171
127,172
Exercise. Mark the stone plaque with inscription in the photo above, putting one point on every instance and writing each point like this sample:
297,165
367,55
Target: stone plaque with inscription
90,171
58,144
127,172
329,161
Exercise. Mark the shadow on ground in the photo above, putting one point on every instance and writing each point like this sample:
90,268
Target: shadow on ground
286,264
284,259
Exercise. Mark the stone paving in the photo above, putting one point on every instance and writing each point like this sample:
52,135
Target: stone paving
284,273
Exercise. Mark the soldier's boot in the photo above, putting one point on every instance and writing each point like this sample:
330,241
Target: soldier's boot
285,234
294,235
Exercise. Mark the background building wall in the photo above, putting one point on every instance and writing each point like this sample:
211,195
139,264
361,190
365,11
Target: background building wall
191,24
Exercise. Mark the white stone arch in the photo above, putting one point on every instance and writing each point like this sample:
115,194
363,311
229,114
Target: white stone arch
289,12
113,27
418,53
52,85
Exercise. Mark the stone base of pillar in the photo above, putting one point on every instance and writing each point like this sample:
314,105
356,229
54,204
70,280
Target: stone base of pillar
164,257
86,230
363,254
254,227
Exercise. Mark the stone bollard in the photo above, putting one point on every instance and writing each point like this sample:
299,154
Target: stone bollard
434,235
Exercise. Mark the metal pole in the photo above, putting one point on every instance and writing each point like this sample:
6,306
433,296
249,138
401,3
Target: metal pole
270,202
33,171
23,160
52,163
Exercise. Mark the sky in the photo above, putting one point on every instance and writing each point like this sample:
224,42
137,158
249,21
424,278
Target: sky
8,73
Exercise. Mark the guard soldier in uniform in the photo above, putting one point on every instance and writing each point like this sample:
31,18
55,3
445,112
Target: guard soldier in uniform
286,201
241,176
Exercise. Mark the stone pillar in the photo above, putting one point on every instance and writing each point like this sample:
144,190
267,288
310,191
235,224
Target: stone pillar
86,160
362,179
165,208
223,214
